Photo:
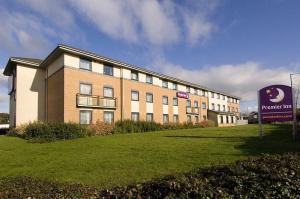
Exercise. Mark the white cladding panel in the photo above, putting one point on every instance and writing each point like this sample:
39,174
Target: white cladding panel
157,81
135,106
165,109
97,67
170,85
71,61
126,74
56,65
142,77
117,72
149,107
181,88
175,110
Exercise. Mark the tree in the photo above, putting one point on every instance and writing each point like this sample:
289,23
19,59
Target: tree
4,118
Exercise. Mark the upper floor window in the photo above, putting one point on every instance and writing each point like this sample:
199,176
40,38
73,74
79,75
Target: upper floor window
149,97
203,93
218,96
108,70
174,86
85,89
108,92
188,103
175,101
195,91
203,105
188,89
212,95
165,100
164,84
149,79
223,97
213,106
224,108
219,107
195,103
134,75
134,95
85,64
228,108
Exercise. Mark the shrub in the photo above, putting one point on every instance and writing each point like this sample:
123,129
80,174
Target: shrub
100,128
269,176
40,131
207,123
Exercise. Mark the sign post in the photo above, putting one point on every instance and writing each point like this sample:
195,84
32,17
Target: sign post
275,104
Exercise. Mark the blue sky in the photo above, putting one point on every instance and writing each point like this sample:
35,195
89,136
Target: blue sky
230,45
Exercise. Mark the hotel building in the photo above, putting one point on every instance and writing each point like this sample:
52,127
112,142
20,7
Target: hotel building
73,85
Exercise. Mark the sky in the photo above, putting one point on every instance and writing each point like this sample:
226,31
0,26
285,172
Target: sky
229,45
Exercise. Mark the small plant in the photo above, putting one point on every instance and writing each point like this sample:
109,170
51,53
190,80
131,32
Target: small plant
100,128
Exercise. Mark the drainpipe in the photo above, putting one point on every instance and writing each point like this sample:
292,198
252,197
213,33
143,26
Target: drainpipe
122,93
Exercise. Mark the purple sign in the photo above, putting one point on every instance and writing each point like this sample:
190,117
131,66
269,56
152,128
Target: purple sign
275,103
182,95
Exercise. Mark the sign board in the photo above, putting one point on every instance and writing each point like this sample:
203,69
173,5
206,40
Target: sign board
181,94
276,103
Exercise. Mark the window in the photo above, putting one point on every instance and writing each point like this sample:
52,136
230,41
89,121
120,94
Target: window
85,89
165,100
219,107
108,70
224,108
221,119
175,101
149,79
188,103
212,95
175,119
203,93
134,75
85,117
237,110
188,89
149,97
204,117
227,119
223,97
108,117
174,86
108,92
196,119
165,118
196,104
149,117
218,96
203,105
134,96
135,116
85,64
228,109
213,106
195,91
232,119
164,84
189,118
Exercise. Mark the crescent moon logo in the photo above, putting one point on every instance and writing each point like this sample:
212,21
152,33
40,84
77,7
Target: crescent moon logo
279,97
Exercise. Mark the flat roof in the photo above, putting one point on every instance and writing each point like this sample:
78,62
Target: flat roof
20,60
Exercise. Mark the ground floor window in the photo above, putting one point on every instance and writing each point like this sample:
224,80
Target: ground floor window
227,119
149,117
175,119
108,117
232,120
189,118
165,118
135,116
204,117
221,119
85,117
196,119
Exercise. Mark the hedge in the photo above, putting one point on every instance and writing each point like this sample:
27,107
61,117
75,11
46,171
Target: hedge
269,176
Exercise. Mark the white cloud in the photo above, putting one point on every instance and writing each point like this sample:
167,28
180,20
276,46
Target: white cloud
4,98
241,79
3,79
155,22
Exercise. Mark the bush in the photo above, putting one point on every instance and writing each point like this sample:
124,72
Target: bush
269,176
100,128
40,131
129,126
207,123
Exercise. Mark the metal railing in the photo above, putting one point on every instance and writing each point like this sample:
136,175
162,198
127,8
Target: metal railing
95,101
192,110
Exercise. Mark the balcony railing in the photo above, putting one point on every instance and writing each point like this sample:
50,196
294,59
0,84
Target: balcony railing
192,110
95,101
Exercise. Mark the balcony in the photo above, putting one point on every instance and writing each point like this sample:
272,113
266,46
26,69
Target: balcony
192,110
95,101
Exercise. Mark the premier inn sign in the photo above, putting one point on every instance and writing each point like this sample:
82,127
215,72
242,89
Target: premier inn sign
275,103
181,94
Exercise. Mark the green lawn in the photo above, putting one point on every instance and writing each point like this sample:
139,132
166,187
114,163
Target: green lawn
122,159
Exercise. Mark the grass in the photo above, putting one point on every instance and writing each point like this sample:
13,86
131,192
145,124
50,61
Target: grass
123,159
